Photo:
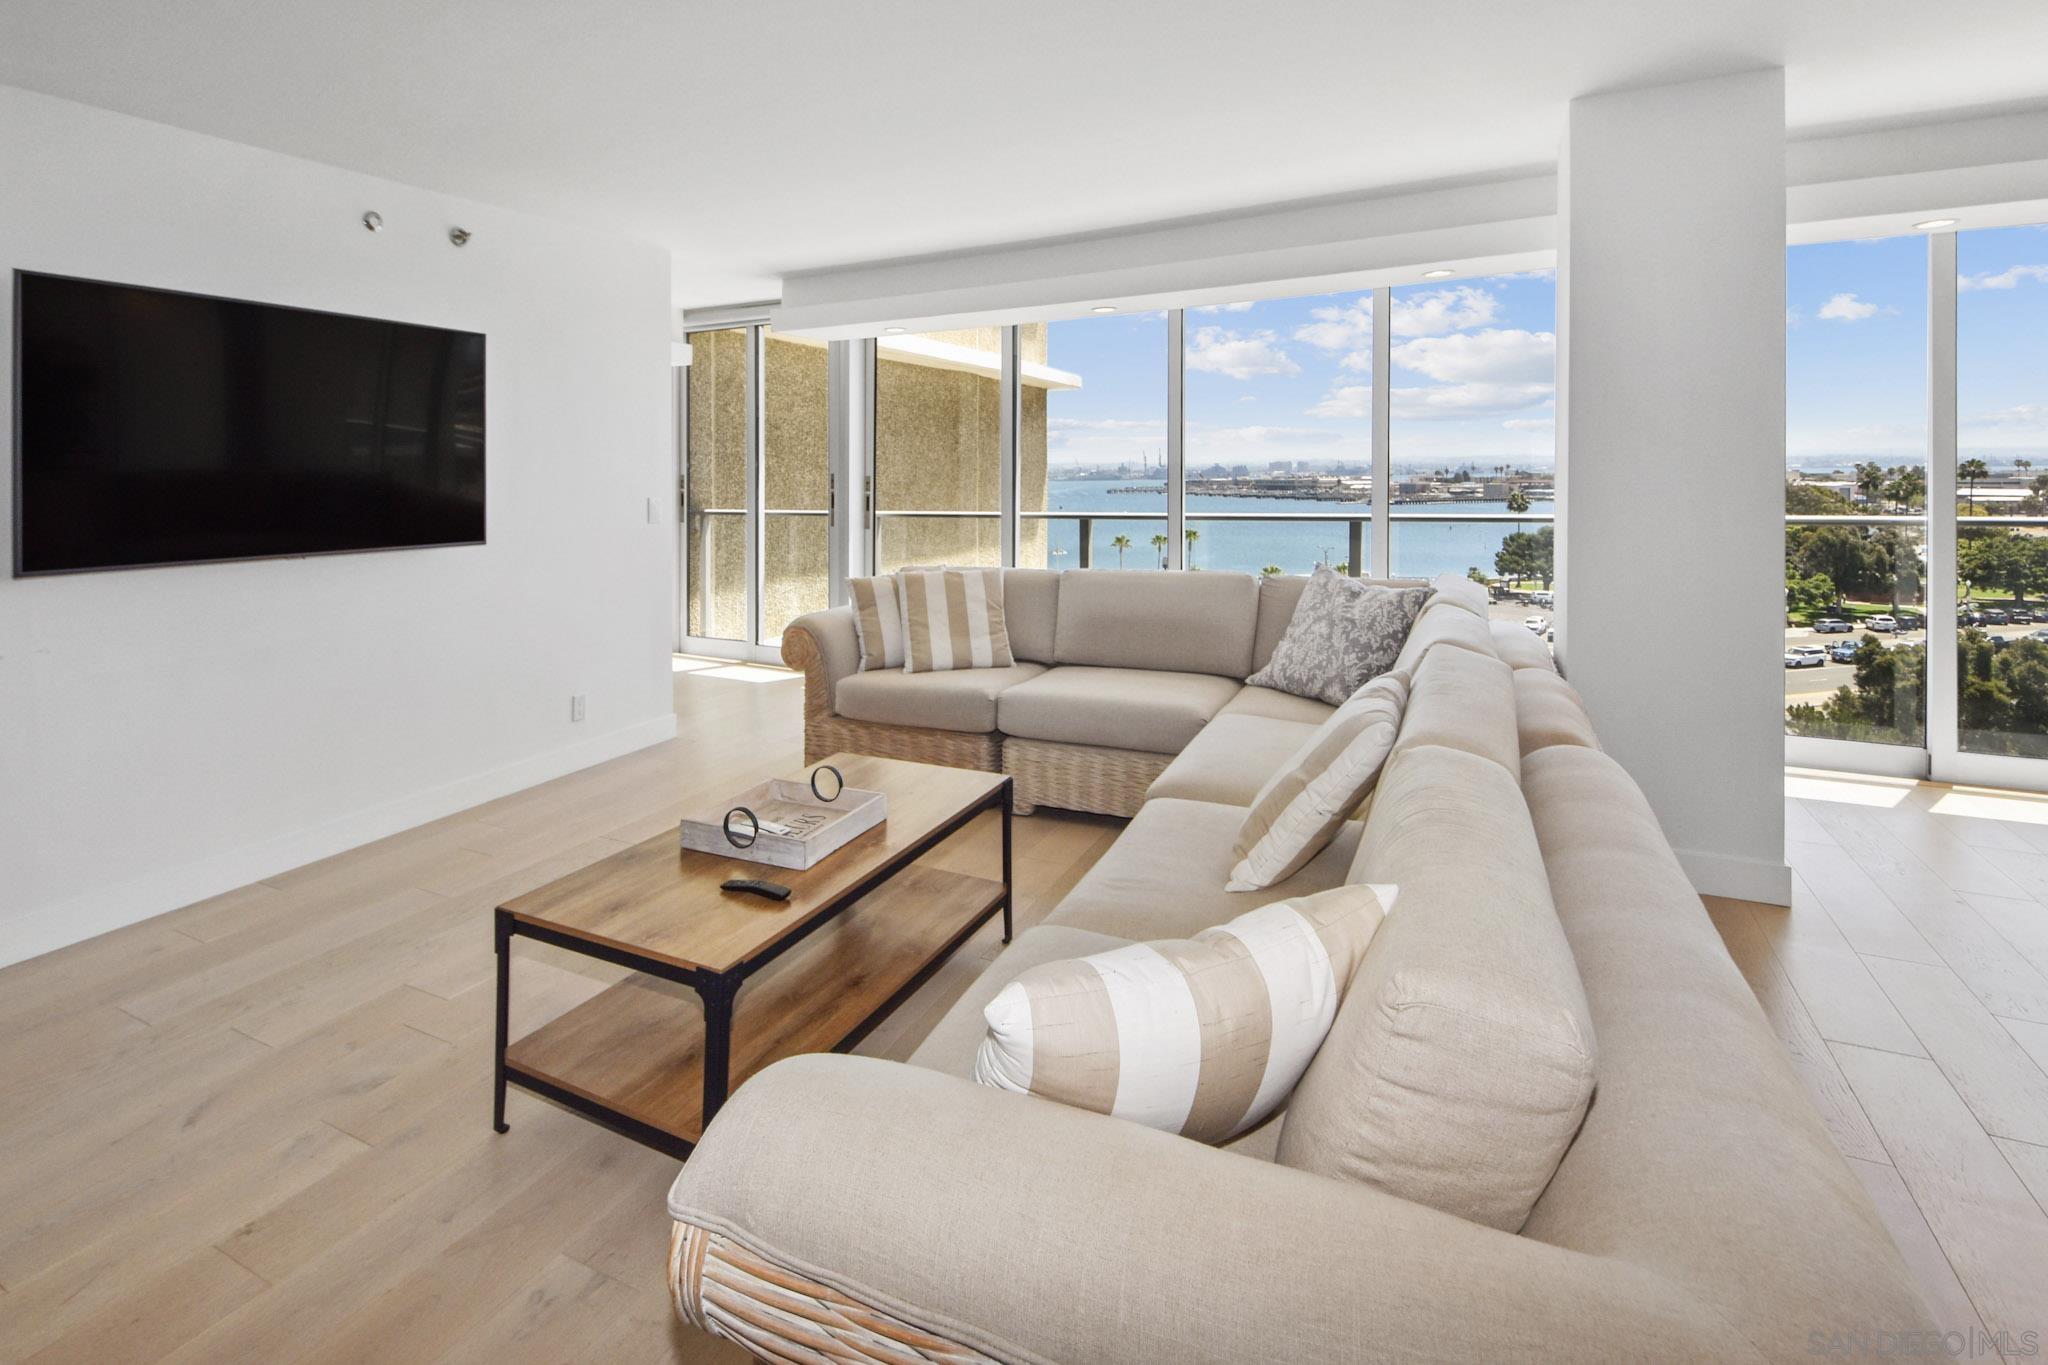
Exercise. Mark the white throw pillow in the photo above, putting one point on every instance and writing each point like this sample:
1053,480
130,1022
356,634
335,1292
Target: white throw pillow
877,621
1205,1036
1301,807
953,618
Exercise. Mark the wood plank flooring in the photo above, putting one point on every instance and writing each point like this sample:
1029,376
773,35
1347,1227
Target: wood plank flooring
257,1128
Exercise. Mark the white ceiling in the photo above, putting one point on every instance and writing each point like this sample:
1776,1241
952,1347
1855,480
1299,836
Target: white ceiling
757,137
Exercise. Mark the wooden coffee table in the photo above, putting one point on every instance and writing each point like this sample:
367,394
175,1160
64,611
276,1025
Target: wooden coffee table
859,933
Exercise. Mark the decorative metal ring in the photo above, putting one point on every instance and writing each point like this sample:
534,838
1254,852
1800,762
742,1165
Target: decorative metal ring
752,834
837,776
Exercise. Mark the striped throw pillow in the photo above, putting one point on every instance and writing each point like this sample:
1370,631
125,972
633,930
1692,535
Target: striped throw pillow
953,618
1301,807
1205,1036
877,621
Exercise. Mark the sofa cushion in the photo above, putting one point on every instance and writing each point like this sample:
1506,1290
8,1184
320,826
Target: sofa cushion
953,1041
953,618
1277,705
1031,599
1521,647
877,621
1459,590
1160,619
1548,711
1231,759
1278,594
1203,1037
1461,1063
1344,632
1443,623
1303,805
1119,708
1462,700
962,699
1163,877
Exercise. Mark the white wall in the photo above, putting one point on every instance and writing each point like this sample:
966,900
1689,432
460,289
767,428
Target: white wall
1671,457
166,734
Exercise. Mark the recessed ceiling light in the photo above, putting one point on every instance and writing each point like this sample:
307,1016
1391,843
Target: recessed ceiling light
1934,224
1103,308
1436,274
892,331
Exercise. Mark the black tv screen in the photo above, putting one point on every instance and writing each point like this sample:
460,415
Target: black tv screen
154,427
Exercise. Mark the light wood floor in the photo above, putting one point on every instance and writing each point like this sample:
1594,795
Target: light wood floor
257,1129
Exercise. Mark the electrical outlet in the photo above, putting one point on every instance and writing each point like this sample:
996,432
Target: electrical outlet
576,706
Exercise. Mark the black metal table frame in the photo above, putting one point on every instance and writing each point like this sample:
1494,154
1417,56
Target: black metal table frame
718,990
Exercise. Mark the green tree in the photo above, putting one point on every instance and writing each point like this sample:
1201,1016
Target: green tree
1870,480
1271,571
1906,487
1192,536
1842,554
1518,503
1121,543
1159,544
1969,471
1804,499
1527,554
1811,597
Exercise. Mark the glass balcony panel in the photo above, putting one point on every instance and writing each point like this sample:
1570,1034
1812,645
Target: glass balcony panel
715,485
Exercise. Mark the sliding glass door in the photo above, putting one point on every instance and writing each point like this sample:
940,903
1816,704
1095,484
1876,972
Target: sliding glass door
1916,521
756,488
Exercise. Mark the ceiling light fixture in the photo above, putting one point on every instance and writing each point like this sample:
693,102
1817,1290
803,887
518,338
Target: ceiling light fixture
1436,274
1934,224
892,331
1103,308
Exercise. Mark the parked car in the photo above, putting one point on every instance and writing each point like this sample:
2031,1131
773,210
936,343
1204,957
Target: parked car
1542,599
1805,656
1995,616
1537,624
1912,620
1844,651
2021,616
1885,625
1832,625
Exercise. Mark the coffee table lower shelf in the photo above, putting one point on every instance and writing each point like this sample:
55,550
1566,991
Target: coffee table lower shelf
632,1057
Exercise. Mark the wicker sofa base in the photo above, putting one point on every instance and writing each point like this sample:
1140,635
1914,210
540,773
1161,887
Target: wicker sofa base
1083,777
837,735
775,1313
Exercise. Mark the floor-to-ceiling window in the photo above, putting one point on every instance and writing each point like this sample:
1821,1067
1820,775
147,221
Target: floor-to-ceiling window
1091,456
1278,430
1856,442
938,423
1473,445
756,486
2002,491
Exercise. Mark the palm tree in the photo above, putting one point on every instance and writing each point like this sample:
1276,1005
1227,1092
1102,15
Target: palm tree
1272,571
1518,503
1870,480
1969,471
1192,536
1159,543
1121,543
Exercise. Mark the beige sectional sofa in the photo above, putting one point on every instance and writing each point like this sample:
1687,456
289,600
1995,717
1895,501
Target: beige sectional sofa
849,1208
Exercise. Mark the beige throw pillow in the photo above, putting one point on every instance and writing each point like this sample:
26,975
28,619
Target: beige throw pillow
1203,1037
877,621
1301,807
953,618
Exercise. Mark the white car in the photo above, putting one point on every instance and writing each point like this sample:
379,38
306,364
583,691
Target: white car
1888,625
1536,624
1805,656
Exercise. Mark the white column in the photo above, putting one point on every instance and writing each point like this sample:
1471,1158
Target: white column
1671,457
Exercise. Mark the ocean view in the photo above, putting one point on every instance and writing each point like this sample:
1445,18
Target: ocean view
1421,549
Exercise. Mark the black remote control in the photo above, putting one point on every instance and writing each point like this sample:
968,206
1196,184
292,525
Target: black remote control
754,886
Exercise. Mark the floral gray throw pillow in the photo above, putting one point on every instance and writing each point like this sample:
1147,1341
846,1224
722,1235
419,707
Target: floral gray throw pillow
1344,633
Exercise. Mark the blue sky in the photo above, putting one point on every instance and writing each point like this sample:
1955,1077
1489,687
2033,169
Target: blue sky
1856,348
1290,379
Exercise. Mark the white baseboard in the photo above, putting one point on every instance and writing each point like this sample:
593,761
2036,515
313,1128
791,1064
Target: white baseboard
57,925
1744,879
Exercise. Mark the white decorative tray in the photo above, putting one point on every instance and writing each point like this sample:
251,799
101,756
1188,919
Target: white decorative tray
797,829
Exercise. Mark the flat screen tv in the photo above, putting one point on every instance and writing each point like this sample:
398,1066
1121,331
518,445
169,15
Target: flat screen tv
154,428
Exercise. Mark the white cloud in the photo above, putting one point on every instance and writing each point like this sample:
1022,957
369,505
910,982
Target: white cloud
1443,310
1248,398
1450,402
1239,355
2008,278
1846,308
1495,355
2030,415
1350,400
1156,424
1792,318
1339,327
1225,308
1530,424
